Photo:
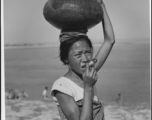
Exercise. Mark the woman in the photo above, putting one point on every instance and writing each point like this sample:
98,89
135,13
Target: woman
74,93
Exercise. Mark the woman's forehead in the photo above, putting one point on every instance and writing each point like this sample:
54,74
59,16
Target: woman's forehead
81,45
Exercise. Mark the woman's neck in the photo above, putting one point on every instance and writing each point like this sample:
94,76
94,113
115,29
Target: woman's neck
74,77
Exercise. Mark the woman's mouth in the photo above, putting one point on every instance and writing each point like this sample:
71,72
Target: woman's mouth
84,66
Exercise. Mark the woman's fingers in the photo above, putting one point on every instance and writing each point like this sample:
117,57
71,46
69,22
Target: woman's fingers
89,76
95,76
87,68
90,70
93,73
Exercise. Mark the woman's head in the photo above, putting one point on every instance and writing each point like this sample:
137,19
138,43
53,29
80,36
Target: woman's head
76,51
66,46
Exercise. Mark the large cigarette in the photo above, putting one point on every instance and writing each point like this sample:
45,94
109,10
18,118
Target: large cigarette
92,62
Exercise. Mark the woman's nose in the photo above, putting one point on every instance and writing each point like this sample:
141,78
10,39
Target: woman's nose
84,58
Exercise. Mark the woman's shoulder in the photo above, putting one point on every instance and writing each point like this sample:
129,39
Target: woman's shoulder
67,86
62,80
65,81
62,85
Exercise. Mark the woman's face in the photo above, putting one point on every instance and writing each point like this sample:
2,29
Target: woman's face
80,53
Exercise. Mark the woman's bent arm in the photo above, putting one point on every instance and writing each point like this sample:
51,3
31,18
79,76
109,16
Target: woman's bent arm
68,104
109,39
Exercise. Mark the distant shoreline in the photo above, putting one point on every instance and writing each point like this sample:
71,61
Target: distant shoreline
45,45
13,46
48,44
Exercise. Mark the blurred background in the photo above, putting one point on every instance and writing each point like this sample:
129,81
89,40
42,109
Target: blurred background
36,64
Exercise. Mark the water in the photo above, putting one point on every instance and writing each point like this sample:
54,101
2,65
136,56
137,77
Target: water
126,71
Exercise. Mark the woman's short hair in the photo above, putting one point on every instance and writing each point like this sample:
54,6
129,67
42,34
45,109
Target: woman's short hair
66,45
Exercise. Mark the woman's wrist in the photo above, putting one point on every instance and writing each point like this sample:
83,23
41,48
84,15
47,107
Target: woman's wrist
88,89
88,93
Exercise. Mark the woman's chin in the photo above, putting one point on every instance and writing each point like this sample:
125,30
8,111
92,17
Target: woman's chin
83,70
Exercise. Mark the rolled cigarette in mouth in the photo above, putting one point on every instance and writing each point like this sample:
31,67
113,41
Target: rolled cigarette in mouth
92,62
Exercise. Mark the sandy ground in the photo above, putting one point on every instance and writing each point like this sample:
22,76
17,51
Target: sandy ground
47,110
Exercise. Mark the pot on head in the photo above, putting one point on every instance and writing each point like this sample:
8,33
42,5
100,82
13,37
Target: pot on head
73,14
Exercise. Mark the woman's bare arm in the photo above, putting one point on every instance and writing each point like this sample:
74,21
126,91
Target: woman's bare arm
70,108
109,39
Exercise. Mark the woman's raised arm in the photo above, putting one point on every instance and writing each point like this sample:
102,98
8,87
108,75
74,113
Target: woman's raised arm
109,39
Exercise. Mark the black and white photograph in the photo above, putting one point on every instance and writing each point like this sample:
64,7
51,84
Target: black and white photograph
76,59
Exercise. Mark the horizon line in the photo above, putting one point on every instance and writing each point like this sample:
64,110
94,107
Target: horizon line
45,45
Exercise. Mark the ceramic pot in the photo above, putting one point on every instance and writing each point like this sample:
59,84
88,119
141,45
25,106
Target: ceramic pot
73,14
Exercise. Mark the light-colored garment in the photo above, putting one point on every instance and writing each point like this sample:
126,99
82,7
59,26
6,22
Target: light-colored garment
70,88
44,93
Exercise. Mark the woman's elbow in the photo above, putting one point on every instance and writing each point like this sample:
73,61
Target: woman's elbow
112,41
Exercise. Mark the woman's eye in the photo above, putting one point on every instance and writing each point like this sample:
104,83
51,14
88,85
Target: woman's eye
78,55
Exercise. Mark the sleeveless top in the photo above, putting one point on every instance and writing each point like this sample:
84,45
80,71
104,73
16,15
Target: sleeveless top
70,88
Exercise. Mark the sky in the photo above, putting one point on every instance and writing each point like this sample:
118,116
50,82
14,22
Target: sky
24,22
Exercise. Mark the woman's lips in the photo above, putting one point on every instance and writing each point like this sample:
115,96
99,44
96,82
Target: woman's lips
84,66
